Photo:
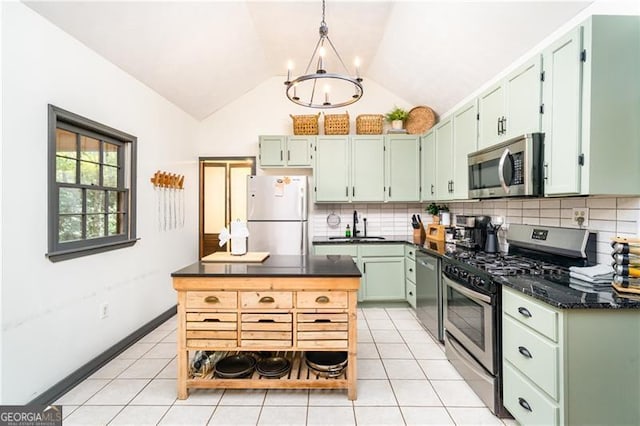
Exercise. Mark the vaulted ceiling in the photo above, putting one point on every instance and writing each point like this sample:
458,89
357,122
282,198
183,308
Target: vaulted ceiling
203,55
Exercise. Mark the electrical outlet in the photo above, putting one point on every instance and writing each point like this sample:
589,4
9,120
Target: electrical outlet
581,216
104,310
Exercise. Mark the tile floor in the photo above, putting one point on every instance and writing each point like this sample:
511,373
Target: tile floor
403,379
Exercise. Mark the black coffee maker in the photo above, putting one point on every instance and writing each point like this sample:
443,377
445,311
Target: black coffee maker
480,231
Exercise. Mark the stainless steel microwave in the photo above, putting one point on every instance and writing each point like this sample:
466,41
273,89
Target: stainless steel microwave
513,168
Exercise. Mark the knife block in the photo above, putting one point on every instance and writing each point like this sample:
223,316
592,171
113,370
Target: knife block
419,235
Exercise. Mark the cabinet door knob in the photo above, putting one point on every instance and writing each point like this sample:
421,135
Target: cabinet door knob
322,299
410,293
410,270
524,352
211,299
524,404
266,299
524,312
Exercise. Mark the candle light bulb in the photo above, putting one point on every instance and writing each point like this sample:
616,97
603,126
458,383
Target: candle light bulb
322,52
326,95
357,64
289,68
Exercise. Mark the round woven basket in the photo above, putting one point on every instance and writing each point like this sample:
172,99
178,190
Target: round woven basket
419,120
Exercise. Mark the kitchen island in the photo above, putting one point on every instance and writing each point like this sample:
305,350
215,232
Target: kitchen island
286,304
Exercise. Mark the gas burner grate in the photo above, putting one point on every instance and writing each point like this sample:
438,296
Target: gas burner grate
509,265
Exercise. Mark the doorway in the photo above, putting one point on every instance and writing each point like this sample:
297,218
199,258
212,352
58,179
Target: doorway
223,197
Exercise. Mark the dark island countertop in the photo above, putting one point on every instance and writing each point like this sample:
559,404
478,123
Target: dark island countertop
276,266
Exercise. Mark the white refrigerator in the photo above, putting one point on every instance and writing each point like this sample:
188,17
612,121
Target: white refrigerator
277,214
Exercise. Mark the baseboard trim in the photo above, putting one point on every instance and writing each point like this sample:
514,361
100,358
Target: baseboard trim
63,386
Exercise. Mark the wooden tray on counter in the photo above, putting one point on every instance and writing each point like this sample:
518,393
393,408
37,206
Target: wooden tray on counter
249,257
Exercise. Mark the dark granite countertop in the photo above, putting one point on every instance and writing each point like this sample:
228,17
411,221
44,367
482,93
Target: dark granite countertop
434,248
566,295
388,239
276,266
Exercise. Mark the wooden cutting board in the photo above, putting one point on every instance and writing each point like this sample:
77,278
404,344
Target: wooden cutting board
223,256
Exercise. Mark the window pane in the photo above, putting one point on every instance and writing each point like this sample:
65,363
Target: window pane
95,201
66,143
110,154
89,149
115,224
70,228
65,170
89,173
114,205
70,200
110,176
95,225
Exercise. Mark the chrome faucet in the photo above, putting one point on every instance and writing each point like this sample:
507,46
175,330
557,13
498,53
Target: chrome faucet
355,224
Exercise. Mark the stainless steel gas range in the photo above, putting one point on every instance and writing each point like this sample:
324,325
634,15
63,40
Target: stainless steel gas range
472,297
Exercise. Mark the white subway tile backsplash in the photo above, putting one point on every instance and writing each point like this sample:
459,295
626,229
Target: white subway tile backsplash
602,225
628,203
531,204
628,215
516,204
548,221
530,212
601,203
627,227
514,212
550,213
499,204
603,214
566,213
531,220
567,203
550,204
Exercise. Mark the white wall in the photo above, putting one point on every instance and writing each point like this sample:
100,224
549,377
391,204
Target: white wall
599,7
50,320
234,129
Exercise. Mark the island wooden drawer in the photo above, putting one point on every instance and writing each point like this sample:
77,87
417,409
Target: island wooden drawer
266,299
322,330
536,315
322,299
212,299
211,329
269,330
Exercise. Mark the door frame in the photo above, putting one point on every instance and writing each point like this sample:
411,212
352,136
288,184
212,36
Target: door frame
232,162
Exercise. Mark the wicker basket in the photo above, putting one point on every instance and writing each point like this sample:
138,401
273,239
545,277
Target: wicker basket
305,124
369,124
336,124
419,120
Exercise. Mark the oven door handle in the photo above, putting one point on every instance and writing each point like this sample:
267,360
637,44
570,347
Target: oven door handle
503,159
465,291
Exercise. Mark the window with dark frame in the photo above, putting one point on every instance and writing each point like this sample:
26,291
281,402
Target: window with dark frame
92,194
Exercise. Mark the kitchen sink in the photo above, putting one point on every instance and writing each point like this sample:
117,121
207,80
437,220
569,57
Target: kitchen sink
355,238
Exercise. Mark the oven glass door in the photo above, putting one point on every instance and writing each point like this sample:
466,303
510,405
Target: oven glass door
469,318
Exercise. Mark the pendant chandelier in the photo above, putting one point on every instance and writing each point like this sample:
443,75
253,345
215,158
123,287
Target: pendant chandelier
317,90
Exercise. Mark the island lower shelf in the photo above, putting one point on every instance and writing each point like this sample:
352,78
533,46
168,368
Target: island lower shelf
287,315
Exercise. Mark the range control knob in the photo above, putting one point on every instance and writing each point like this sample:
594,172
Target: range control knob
481,283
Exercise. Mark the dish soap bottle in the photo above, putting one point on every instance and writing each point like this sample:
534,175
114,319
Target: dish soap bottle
347,232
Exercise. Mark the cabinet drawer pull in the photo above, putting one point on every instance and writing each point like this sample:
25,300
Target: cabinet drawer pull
322,320
288,155
524,404
524,312
211,299
266,320
524,352
212,320
266,299
322,299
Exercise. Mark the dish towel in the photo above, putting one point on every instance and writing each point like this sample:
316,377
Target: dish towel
593,274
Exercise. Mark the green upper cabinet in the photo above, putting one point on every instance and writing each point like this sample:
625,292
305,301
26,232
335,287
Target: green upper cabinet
444,158
332,167
591,93
285,151
561,118
492,109
511,107
402,167
367,171
299,150
271,151
465,136
428,167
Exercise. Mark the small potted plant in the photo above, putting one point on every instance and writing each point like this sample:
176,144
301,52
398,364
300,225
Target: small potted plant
433,210
396,116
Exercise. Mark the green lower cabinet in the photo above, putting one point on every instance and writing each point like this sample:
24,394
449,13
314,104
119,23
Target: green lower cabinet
569,366
382,267
383,278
